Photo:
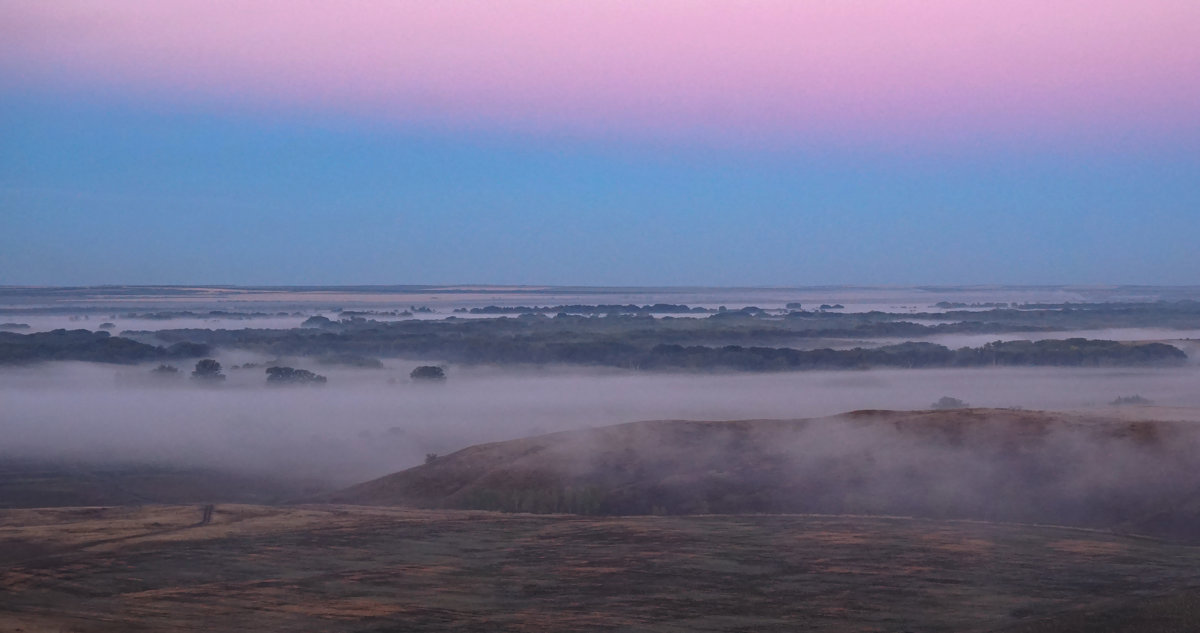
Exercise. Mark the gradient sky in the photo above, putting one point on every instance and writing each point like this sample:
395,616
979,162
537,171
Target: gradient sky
586,142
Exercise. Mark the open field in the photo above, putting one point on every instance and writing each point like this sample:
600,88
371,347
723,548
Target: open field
350,568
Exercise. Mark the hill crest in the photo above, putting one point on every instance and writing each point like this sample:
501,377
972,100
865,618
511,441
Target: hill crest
985,464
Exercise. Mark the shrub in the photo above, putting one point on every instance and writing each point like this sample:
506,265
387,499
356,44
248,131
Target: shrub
1134,399
428,372
946,402
291,376
208,370
350,360
317,321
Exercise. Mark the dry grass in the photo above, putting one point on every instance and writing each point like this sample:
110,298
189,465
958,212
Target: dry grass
349,568
1139,476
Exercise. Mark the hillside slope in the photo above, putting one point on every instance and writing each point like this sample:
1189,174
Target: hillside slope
986,464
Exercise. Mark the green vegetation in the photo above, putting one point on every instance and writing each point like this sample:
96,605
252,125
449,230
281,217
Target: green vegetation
603,309
166,315
351,360
85,345
428,373
208,370
291,376
946,402
1062,353
1134,399
317,321
745,339
741,340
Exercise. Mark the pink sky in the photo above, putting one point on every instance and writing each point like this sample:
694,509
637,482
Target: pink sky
854,71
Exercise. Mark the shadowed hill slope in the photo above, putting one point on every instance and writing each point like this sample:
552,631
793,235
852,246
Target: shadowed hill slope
994,465
41,484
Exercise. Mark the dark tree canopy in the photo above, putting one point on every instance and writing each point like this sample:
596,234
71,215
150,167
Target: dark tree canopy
208,369
317,321
739,339
428,372
85,345
946,402
292,376
350,360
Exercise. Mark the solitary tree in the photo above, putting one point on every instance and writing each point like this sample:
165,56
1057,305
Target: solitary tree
428,372
208,369
291,376
946,402
317,321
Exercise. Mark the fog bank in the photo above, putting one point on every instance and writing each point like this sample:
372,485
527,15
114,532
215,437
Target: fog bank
366,423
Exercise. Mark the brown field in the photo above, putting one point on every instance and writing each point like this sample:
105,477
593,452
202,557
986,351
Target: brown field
353,568
43,483
958,521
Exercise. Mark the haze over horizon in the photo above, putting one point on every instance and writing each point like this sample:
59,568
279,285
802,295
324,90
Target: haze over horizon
596,143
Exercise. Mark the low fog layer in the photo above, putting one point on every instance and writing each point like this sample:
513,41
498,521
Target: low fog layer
366,423
1183,339
984,464
117,300
46,323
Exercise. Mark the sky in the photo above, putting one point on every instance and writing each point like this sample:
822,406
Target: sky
668,142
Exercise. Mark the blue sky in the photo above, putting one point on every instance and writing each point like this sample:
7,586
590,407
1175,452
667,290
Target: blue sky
98,190
599,143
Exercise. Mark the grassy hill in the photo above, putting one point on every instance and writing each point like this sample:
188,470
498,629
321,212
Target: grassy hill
985,464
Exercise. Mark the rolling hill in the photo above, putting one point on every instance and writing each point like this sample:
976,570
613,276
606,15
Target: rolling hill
983,464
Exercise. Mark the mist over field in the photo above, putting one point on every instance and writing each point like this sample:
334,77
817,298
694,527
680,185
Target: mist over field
572,316
366,423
